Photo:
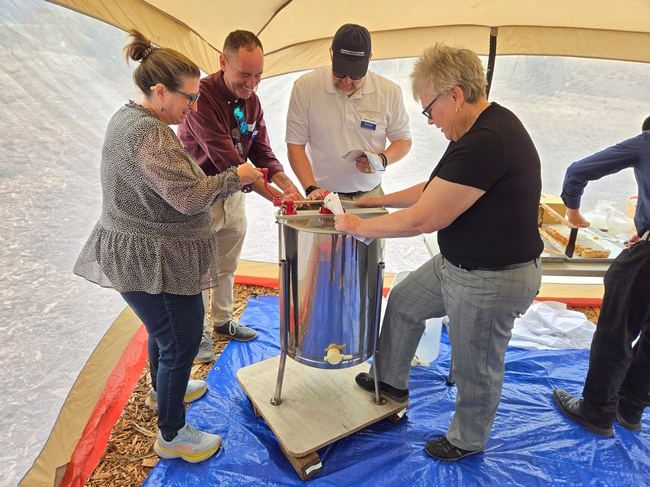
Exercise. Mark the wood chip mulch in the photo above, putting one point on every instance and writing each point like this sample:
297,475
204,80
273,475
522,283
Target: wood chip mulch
129,455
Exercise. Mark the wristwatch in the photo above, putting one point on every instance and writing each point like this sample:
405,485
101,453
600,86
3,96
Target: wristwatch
310,190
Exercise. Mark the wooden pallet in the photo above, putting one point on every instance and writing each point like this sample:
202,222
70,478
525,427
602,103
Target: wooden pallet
319,407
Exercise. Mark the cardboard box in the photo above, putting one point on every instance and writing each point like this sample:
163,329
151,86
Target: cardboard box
554,202
631,206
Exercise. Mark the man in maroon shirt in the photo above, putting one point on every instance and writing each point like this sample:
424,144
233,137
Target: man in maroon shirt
227,129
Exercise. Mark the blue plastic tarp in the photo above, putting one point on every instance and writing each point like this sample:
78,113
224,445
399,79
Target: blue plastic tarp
532,443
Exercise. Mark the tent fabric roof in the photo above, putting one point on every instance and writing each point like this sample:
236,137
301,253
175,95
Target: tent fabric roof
296,34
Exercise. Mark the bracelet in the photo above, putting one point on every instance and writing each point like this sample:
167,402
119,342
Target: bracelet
310,190
384,161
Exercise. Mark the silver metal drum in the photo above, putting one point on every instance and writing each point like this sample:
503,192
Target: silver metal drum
329,290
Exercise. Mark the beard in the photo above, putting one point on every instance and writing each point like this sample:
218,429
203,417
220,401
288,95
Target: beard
346,90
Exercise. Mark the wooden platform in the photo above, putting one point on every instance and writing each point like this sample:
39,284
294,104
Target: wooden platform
318,407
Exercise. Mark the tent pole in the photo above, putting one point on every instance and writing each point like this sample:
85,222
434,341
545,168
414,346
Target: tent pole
491,56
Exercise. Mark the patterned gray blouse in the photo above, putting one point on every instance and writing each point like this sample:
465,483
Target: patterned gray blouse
155,233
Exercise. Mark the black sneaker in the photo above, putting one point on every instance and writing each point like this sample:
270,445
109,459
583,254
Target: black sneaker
441,449
367,383
570,406
236,331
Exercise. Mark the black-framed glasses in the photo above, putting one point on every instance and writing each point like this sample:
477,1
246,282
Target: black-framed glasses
192,98
426,111
341,76
241,121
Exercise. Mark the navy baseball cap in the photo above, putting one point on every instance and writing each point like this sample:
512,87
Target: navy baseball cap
351,49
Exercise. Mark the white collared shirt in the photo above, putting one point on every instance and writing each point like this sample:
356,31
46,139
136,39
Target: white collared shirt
331,124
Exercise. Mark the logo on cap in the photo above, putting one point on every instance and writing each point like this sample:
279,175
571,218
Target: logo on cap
352,53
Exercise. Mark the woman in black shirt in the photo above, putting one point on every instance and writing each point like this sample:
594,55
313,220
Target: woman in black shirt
482,198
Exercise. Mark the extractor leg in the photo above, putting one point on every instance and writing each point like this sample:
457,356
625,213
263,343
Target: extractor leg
450,376
375,338
285,302
276,400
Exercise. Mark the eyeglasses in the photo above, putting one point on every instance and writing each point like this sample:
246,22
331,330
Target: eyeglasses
426,111
241,121
192,98
341,76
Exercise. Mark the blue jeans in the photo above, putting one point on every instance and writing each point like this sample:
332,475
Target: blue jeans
175,326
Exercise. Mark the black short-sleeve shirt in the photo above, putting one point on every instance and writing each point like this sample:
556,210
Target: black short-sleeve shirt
498,156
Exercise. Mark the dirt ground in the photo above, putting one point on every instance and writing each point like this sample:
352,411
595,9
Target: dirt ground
129,455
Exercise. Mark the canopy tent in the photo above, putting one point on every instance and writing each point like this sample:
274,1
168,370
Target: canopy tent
297,33
43,343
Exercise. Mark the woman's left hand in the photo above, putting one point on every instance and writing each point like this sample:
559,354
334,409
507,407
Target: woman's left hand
347,223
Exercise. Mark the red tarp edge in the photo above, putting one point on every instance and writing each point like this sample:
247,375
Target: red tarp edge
116,394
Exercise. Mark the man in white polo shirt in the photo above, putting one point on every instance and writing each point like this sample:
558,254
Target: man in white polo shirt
336,109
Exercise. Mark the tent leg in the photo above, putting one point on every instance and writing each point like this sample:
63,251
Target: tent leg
491,57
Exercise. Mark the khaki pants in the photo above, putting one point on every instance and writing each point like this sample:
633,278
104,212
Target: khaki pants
373,192
229,216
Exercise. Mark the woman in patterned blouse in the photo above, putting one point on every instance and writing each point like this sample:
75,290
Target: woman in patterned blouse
155,242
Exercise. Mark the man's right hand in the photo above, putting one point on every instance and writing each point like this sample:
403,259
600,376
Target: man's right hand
317,194
247,173
576,218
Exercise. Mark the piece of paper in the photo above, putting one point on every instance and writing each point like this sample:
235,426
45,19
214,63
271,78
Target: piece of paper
333,203
376,164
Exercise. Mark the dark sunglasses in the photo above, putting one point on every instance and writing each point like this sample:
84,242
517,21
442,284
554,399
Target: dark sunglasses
341,76
192,98
241,121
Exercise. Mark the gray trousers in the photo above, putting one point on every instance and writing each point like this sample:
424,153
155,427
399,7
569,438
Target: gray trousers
482,307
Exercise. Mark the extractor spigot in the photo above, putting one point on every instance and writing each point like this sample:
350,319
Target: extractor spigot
333,354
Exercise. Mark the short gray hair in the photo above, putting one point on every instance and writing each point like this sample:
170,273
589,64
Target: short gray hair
441,67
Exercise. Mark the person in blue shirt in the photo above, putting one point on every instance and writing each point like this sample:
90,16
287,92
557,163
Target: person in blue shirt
618,379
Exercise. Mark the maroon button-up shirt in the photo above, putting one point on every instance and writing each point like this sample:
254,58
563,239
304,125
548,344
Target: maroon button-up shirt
207,133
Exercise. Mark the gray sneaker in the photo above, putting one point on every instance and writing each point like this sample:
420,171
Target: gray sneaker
189,444
206,351
236,331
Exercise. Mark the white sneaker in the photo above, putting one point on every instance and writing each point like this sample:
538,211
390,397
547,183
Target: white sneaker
189,444
195,390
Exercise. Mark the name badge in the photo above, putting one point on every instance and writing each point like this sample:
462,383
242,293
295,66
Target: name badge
368,123
253,136
251,126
